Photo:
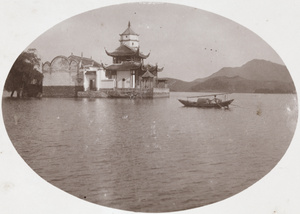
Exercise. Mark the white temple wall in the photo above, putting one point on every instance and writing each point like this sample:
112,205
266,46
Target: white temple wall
59,79
123,83
133,40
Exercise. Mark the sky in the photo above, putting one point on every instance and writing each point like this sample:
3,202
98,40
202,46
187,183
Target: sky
187,42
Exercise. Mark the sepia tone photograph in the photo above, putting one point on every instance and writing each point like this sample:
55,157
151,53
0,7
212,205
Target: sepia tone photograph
149,107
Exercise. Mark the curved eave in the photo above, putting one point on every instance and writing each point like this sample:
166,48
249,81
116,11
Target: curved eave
144,56
108,53
151,68
104,66
160,69
114,54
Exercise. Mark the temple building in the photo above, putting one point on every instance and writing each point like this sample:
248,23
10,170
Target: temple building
78,76
128,69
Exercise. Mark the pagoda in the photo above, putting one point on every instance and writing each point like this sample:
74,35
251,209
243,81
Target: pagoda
127,68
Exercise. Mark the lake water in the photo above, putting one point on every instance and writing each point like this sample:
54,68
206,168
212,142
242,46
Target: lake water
151,155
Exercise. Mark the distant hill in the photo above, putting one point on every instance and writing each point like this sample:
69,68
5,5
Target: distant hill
256,76
179,85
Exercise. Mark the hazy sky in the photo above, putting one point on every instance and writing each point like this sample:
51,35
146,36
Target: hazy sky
188,42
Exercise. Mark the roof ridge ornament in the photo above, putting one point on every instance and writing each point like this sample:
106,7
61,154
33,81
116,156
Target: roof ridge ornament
128,23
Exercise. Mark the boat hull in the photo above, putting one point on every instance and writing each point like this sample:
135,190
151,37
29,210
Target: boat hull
224,104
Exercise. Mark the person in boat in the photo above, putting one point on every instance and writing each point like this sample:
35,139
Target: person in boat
203,101
216,100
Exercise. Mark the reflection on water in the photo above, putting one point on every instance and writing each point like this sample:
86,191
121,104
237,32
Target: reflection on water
151,155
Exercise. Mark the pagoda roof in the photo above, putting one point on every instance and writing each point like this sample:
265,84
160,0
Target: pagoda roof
148,74
84,61
129,31
124,66
162,79
124,50
151,68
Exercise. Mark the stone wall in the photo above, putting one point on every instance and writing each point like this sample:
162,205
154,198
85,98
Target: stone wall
161,92
92,94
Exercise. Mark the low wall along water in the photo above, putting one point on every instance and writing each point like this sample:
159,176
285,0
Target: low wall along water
77,91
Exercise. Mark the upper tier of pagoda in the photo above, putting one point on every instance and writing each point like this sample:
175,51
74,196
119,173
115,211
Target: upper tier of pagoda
129,31
129,48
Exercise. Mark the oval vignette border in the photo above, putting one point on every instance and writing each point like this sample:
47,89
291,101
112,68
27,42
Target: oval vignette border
287,166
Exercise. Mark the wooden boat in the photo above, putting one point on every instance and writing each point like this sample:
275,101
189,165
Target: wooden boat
206,102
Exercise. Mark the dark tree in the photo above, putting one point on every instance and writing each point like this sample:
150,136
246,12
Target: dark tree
24,73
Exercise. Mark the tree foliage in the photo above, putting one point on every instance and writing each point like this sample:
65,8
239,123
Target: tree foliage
23,73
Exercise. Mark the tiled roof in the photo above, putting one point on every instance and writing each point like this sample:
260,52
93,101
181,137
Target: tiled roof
151,68
90,72
85,61
148,74
124,50
129,31
124,66
162,79
160,69
143,55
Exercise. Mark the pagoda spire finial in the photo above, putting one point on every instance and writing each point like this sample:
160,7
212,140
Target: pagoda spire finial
129,24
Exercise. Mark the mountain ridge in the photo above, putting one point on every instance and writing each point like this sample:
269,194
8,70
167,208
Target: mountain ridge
255,76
